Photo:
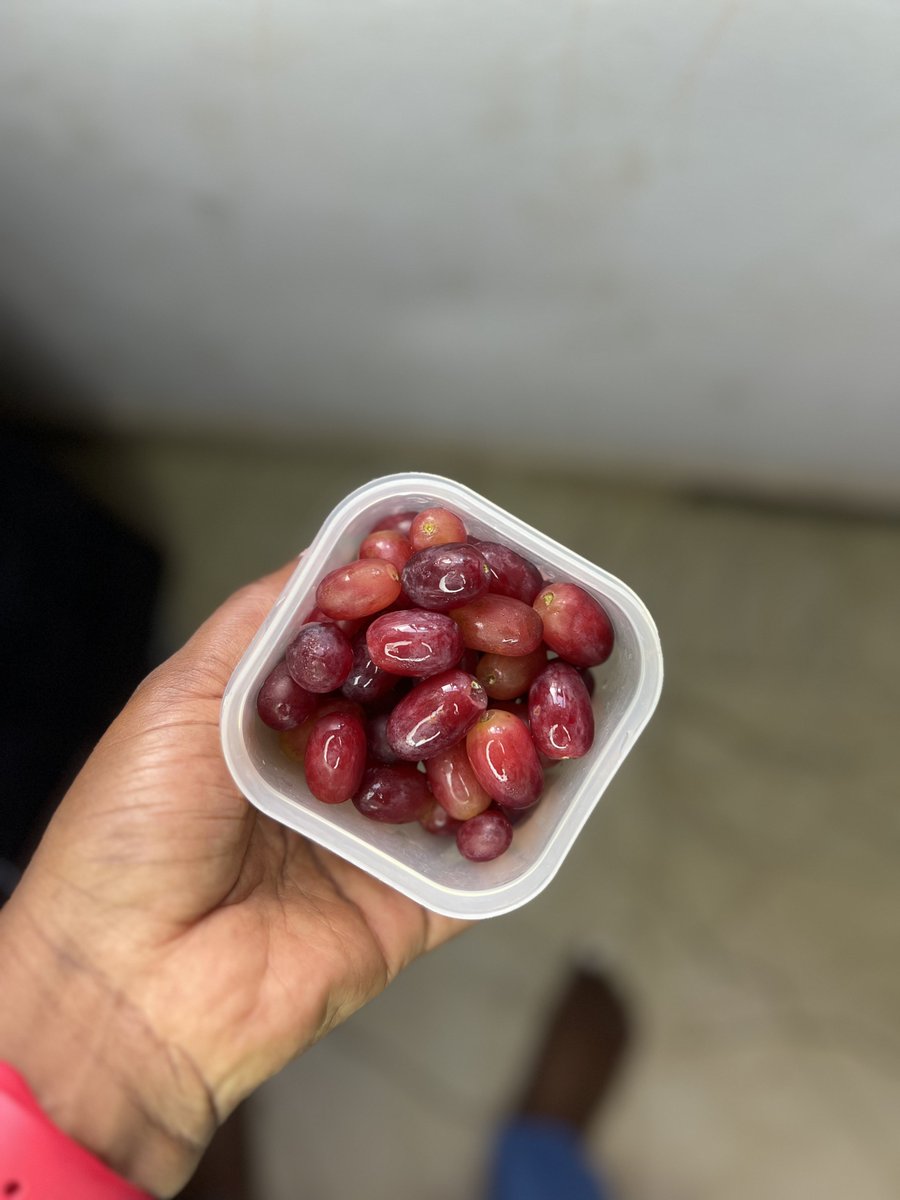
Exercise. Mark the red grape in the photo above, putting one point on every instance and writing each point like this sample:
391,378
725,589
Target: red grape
511,574
435,527
399,521
414,642
504,677
366,683
435,714
518,708
389,545
335,757
340,704
427,628
484,837
294,741
562,720
379,746
469,661
437,820
575,625
319,657
499,625
515,816
281,702
392,794
445,576
454,783
504,759
348,627
359,589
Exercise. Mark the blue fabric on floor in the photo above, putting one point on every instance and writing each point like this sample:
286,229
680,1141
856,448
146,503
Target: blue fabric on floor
542,1160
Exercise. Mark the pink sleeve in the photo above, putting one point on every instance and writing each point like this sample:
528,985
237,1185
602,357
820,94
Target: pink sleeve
39,1161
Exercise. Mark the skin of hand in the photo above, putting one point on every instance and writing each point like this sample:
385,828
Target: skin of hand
169,947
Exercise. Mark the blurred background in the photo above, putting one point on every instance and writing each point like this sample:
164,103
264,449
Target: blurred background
633,272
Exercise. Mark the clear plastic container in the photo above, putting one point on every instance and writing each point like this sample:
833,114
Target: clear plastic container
428,868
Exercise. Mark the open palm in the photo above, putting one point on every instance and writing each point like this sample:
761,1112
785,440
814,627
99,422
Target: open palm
228,942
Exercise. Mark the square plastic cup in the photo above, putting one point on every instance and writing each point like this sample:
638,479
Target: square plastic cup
423,866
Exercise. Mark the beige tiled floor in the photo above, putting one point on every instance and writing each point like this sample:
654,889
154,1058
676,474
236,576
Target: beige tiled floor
741,875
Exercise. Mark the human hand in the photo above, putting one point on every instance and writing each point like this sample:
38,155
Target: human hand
169,947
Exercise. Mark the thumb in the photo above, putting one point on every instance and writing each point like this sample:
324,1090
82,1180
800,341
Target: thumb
205,663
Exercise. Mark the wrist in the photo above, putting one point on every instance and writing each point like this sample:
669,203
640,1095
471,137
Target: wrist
92,1062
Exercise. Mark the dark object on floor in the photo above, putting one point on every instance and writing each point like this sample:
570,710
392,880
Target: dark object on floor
77,598
222,1174
580,1054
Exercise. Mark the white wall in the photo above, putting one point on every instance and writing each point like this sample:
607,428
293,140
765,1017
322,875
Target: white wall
640,231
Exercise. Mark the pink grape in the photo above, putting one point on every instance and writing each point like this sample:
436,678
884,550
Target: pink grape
484,837
504,677
414,642
454,783
294,741
401,522
435,714
562,720
499,625
389,545
504,759
335,757
359,589
392,794
435,527
281,702
575,625
437,820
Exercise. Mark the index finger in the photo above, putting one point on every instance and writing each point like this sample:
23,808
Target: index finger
215,649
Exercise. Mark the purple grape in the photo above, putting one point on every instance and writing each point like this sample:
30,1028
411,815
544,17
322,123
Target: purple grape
511,574
414,642
561,717
435,714
392,794
282,703
484,837
319,657
445,577
366,683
